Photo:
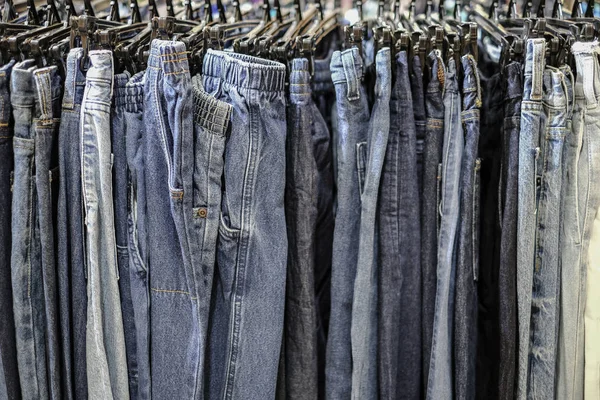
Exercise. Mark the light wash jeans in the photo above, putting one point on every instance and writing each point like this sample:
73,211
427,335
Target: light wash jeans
592,313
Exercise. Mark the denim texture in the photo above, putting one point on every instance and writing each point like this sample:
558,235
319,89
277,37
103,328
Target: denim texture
352,128
120,199
430,200
105,345
440,382
467,245
418,97
399,276
301,209
139,365
71,263
364,322
579,296
251,267
532,126
9,373
546,288
507,281
26,255
167,140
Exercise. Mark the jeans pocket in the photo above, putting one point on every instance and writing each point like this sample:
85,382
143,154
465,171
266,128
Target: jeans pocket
227,257
476,216
361,164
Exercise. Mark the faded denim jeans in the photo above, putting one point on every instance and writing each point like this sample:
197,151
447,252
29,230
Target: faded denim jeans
353,122
105,346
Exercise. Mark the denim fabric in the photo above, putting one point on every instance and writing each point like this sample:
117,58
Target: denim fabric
465,312
48,88
364,306
300,325
167,143
430,199
9,374
71,266
399,278
532,126
120,188
353,121
252,244
105,346
139,366
544,303
418,96
490,142
440,381
579,291
26,261
507,280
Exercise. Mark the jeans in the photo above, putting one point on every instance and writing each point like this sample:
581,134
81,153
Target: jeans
430,199
167,143
418,96
507,280
9,373
353,120
579,236
546,288
120,190
71,266
27,261
252,244
531,128
365,303
399,277
105,346
465,312
139,365
440,381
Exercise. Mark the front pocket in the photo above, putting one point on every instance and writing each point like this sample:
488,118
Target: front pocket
227,258
361,164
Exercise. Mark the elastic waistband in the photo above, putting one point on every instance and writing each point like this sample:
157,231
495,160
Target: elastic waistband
134,90
22,91
300,89
75,79
245,71
120,92
168,56
212,114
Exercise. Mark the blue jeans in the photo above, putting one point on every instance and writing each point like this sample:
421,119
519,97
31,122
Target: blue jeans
136,233
399,277
71,268
440,382
352,122
252,243
9,372
532,124
105,346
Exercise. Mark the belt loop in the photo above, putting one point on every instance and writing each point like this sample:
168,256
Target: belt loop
585,69
537,70
352,78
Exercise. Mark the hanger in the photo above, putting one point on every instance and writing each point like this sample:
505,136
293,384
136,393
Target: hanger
244,44
9,12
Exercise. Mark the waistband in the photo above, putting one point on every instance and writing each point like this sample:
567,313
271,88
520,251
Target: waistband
245,71
22,92
120,92
471,82
48,87
514,81
168,56
347,67
300,90
451,79
5,72
556,92
211,114
75,79
134,90
587,86
99,78
383,69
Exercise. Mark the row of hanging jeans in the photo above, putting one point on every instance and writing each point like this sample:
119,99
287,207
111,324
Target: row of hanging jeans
358,226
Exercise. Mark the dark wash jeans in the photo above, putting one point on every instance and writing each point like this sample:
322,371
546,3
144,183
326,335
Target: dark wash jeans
71,268
430,198
9,373
174,325
418,97
399,361
467,247
251,266
353,120
120,188
136,239
507,281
